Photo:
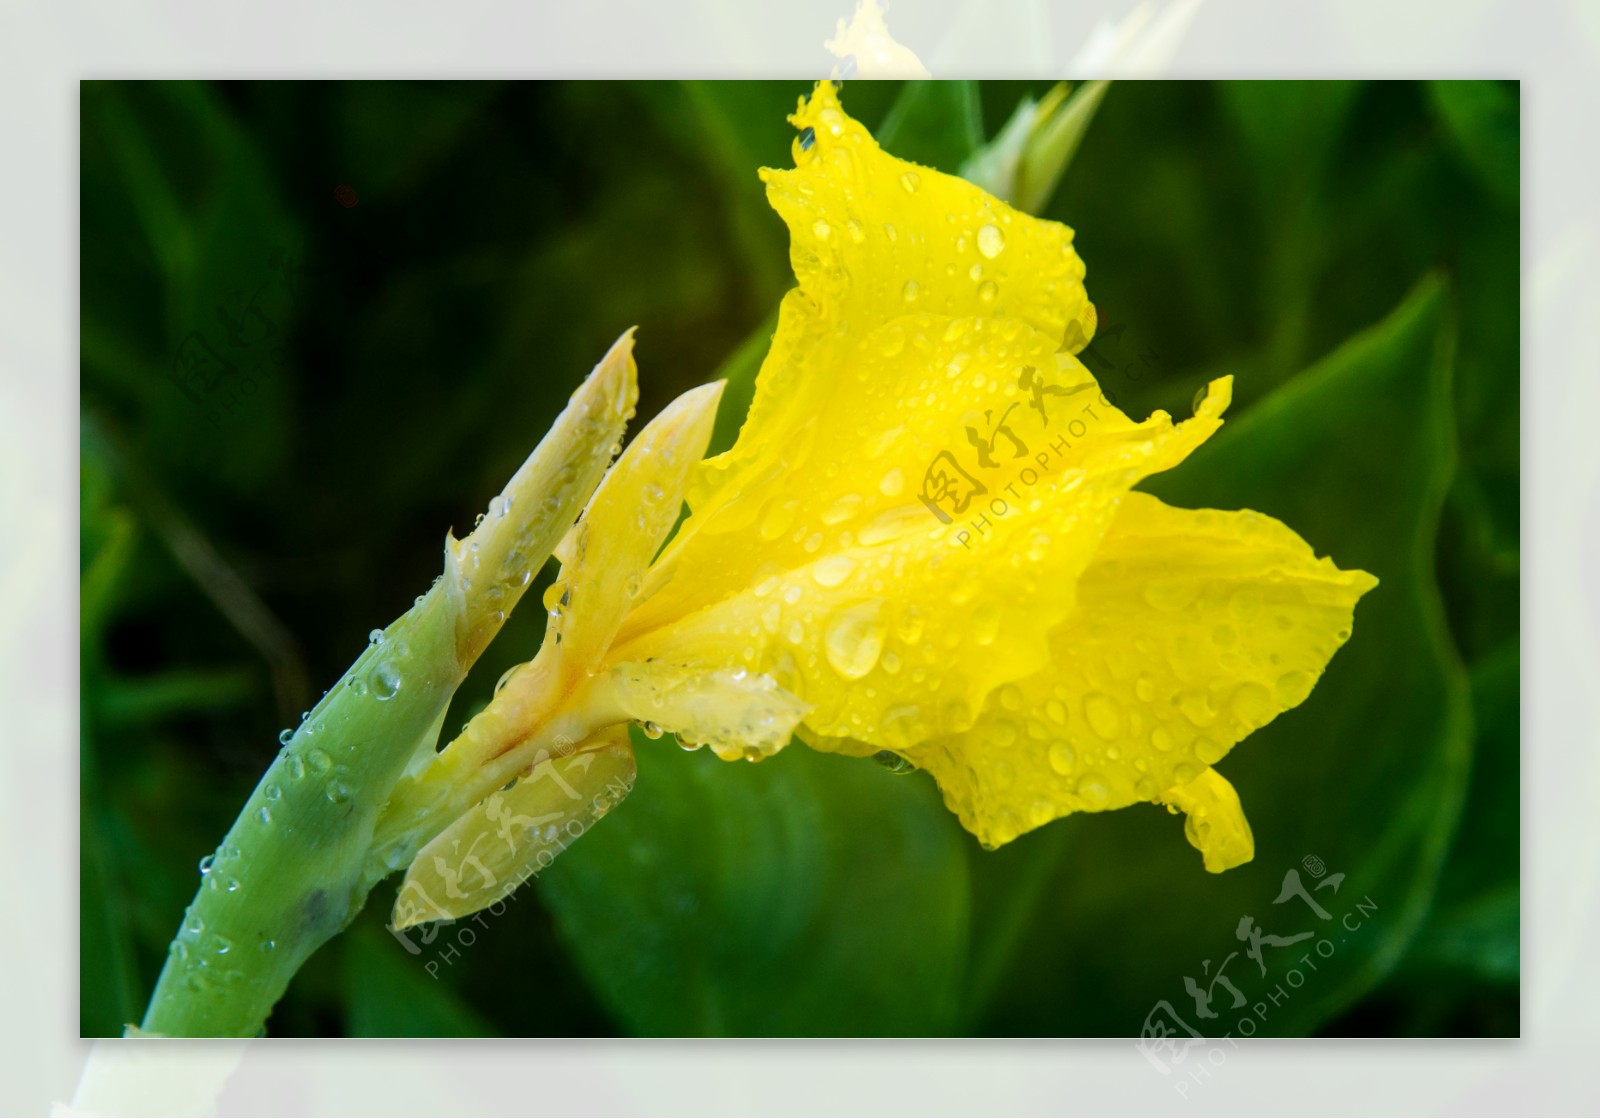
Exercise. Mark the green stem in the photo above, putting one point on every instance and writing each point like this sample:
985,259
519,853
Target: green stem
289,874
298,863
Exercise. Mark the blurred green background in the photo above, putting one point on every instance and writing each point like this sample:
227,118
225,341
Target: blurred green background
323,322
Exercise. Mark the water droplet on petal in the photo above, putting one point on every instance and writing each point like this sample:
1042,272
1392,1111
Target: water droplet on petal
910,180
1252,705
911,291
1103,715
1063,758
830,571
894,763
854,641
284,736
892,483
205,864
1093,791
987,291
991,241
1293,687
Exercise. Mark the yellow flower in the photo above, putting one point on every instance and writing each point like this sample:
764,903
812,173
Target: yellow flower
924,541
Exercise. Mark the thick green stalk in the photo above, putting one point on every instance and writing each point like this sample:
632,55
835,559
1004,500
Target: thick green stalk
297,864
288,875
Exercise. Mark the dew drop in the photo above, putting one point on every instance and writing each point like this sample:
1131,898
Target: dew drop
853,641
991,241
910,180
987,291
1252,705
1093,791
842,510
264,814
205,864
778,518
791,593
651,731
911,291
821,229
1103,715
1144,688
808,137
830,571
318,761
284,737
1063,759
1208,751
1245,603
272,792
894,763
385,682
1292,688
375,637
338,792
1161,739
892,483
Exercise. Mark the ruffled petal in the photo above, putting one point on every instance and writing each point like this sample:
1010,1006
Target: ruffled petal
1194,628
1215,826
885,613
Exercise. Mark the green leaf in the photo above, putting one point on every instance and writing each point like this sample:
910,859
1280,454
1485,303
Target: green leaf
390,994
1368,775
936,124
810,895
1482,119
1476,922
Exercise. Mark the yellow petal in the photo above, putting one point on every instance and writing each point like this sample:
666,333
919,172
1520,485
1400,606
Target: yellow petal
736,713
491,568
1216,826
890,616
605,556
874,238
515,833
1194,628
